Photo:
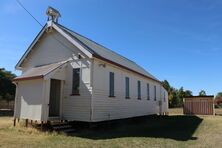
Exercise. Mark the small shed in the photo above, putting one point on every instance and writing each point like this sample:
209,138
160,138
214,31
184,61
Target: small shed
198,105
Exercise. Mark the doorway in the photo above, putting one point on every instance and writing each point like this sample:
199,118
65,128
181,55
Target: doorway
54,100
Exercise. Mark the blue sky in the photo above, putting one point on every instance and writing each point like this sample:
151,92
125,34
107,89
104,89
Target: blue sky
177,40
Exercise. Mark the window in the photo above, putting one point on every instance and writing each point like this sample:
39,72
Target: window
139,89
154,93
164,97
111,84
75,81
148,91
127,87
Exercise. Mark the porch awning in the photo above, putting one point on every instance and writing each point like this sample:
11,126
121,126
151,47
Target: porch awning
39,72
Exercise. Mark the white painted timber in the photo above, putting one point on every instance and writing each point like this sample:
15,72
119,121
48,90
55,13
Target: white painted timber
108,108
48,50
29,99
77,107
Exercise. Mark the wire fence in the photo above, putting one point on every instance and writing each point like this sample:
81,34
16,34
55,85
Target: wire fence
6,108
4,105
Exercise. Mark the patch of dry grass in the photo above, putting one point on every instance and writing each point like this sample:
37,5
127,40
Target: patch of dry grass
176,111
218,111
172,131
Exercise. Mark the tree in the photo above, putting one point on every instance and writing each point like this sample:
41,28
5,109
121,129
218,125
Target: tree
181,95
202,93
166,85
7,88
219,94
175,96
218,99
188,93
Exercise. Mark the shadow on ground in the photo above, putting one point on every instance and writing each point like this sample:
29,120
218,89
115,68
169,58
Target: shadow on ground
179,128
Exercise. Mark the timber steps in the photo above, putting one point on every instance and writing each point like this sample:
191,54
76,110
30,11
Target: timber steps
62,127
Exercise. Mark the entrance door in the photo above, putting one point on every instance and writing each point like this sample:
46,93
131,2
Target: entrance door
54,101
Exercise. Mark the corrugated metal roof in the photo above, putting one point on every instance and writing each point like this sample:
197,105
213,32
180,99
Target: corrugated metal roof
106,53
39,71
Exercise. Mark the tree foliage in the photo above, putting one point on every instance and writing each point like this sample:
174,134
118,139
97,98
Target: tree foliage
175,96
218,99
202,93
7,88
219,94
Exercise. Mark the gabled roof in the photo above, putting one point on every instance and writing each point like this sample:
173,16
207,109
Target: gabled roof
17,66
106,53
40,71
91,48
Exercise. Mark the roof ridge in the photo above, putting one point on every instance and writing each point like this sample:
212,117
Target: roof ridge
78,37
95,43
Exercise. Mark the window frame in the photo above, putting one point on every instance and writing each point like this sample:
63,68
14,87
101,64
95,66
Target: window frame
111,84
127,87
164,96
155,93
139,90
148,91
77,91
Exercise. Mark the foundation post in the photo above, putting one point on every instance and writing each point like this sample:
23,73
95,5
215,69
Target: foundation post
41,125
26,122
14,122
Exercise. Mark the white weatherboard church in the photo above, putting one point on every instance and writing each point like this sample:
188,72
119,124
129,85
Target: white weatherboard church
67,76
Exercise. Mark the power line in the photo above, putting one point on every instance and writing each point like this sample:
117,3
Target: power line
28,12
60,42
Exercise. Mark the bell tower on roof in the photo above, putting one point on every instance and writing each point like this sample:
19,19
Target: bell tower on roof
53,14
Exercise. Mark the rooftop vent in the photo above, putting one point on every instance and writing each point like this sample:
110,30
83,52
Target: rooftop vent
53,14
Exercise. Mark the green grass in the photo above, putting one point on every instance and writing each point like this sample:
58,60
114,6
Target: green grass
168,131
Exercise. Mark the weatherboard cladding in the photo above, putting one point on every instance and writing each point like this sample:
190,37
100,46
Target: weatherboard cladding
106,54
30,46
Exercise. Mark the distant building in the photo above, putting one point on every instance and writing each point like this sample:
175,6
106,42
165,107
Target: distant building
199,105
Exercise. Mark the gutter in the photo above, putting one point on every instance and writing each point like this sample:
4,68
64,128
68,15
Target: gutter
124,67
28,78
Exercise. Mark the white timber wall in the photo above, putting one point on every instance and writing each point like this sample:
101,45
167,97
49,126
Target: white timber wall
108,108
29,99
58,74
47,51
77,107
165,104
